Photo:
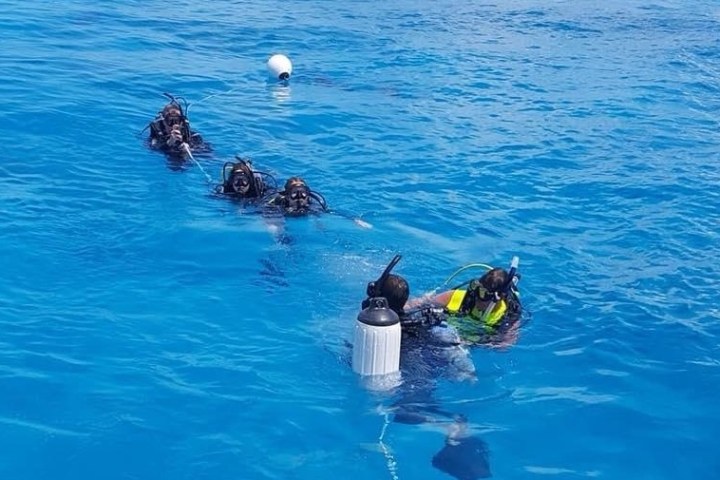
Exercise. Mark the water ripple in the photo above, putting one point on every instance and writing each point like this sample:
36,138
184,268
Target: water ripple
153,330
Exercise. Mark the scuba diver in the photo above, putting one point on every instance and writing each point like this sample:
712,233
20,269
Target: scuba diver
430,350
242,182
488,311
426,322
296,199
170,130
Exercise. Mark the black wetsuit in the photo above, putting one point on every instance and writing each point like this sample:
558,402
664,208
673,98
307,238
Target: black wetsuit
431,348
163,137
282,203
257,188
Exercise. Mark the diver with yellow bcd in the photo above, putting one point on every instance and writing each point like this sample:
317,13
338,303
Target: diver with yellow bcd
483,309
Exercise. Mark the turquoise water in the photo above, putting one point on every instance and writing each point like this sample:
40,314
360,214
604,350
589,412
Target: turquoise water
150,330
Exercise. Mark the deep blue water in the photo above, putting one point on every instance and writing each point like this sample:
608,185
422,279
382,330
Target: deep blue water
149,330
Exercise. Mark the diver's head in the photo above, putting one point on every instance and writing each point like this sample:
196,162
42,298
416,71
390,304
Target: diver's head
491,285
173,115
487,289
240,180
494,280
396,290
296,196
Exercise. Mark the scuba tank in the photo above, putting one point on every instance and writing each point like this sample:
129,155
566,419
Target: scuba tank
376,342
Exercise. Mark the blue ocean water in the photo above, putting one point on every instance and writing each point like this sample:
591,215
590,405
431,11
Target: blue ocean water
151,330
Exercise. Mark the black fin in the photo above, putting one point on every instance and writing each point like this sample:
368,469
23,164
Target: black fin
465,458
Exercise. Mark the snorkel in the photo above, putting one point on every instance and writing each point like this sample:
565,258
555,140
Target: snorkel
374,288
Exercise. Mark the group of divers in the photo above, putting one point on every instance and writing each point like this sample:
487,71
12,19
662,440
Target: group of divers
171,133
437,328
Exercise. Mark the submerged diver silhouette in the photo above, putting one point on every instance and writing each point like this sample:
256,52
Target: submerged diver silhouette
430,351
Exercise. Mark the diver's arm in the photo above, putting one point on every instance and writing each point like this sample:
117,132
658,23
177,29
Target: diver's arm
156,132
507,338
415,302
273,201
441,299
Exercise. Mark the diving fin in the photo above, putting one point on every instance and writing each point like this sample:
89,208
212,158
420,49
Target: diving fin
463,457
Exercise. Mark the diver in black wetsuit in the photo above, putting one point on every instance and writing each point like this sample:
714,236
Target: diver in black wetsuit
296,199
170,131
431,349
241,181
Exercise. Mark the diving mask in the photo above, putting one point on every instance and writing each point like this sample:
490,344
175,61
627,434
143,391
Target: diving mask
481,293
240,182
297,198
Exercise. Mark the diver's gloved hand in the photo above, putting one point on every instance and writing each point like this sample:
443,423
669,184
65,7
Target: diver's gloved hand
175,138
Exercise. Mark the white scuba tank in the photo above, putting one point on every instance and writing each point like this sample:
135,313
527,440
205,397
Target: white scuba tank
376,343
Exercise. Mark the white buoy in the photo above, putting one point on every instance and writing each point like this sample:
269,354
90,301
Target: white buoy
376,344
280,67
